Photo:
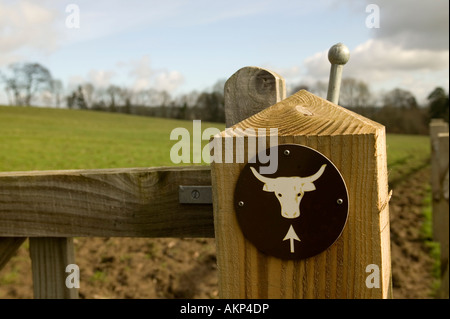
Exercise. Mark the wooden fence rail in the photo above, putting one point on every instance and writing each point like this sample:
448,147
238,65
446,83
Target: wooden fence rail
52,207
103,203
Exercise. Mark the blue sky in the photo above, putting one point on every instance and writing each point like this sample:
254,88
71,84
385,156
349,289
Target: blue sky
181,45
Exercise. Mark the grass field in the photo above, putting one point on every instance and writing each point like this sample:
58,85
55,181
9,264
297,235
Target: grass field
50,139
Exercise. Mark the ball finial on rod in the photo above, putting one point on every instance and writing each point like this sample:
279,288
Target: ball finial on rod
338,55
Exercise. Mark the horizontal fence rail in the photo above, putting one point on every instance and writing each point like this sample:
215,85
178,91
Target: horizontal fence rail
135,202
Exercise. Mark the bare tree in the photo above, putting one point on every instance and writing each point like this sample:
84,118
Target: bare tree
354,93
113,92
320,89
400,98
4,79
219,86
57,90
125,95
191,98
88,92
25,80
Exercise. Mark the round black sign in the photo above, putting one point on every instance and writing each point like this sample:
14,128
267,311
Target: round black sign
296,212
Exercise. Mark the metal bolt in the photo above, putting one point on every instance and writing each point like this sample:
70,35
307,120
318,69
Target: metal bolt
195,194
340,201
241,203
287,152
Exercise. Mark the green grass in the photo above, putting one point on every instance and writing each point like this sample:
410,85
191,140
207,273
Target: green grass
51,139
10,277
98,276
406,154
427,236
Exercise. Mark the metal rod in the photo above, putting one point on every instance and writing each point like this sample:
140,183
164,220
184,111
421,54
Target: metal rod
338,55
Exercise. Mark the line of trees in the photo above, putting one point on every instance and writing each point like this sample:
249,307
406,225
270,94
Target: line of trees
27,84
396,109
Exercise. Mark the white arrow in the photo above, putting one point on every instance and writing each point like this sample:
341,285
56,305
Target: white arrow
291,235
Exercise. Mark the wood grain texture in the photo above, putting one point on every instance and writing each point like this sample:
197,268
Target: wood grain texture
436,127
141,202
357,146
250,90
8,247
440,202
49,259
438,170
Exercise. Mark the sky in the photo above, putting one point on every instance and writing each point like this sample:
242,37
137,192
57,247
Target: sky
185,45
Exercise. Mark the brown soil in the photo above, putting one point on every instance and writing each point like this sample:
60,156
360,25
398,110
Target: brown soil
186,268
412,264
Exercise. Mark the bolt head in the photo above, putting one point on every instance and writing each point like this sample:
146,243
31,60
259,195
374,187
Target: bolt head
195,194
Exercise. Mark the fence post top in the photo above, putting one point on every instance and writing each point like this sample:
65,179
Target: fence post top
250,90
304,113
339,54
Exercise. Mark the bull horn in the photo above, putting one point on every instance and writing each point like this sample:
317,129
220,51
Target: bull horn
260,177
314,177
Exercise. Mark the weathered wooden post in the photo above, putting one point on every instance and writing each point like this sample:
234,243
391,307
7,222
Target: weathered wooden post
443,210
357,264
251,90
440,192
49,259
437,126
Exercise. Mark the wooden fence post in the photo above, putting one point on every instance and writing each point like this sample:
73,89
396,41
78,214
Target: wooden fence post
357,147
250,90
443,210
437,126
440,190
49,259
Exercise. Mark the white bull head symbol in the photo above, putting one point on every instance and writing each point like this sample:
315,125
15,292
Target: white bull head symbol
289,190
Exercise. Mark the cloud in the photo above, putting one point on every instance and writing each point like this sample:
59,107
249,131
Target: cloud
136,74
409,50
380,59
382,64
101,78
141,72
26,25
412,24
74,81
415,24
143,76
168,81
385,57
